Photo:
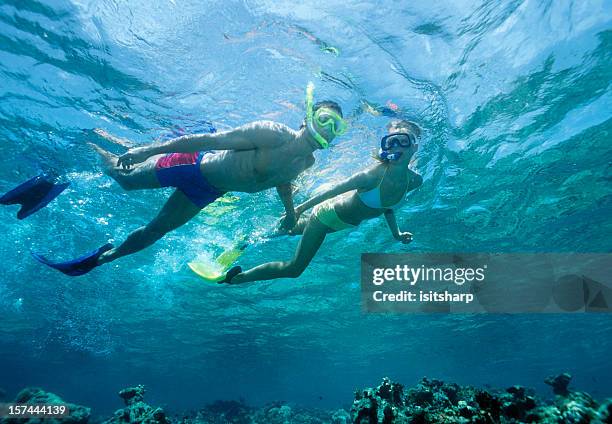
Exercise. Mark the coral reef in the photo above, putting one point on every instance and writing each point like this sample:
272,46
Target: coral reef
233,412
433,401
429,401
559,383
33,395
220,412
136,410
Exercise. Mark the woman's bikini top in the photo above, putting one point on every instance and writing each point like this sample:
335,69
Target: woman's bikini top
372,199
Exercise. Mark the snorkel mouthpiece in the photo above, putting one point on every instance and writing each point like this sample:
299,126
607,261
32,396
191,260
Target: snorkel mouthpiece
385,155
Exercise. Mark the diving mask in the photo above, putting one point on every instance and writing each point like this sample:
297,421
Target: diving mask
390,141
324,117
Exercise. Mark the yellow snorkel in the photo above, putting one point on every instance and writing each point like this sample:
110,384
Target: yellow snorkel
324,117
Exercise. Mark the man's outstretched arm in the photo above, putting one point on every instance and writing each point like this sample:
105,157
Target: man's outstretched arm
247,137
285,192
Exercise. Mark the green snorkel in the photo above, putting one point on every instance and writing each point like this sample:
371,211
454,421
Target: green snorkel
336,124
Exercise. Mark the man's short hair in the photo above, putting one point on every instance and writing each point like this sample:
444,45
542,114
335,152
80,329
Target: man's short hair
328,104
325,103
403,123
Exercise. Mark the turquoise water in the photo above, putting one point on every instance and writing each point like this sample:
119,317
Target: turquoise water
516,105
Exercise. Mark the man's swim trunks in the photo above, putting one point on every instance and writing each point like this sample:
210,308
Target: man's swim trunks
182,170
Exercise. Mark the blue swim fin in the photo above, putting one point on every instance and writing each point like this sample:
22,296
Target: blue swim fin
78,266
34,194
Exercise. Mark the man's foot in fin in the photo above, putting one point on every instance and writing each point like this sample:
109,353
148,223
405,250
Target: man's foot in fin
34,194
231,274
78,266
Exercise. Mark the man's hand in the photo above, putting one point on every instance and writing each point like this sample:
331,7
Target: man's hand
405,238
287,222
133,156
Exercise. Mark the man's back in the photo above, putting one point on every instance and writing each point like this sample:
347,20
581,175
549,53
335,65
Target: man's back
279,160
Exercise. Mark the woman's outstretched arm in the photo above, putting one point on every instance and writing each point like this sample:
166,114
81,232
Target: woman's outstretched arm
355,182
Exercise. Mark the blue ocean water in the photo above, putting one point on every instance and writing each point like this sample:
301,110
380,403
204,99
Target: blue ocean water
515,101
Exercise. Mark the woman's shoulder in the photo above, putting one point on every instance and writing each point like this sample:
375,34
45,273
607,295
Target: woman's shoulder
372,175
377,169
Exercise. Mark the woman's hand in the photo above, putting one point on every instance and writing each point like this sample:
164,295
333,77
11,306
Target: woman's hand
405,237
133,156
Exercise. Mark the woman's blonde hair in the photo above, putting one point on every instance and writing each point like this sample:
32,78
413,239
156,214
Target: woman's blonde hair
412,127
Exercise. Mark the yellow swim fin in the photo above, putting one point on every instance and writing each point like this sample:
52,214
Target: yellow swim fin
227,258
208,272
215,272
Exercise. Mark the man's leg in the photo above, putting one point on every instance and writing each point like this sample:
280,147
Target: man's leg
113,139
177,211
142,176
311,241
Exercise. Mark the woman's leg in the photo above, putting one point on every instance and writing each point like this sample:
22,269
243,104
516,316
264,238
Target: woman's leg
311,241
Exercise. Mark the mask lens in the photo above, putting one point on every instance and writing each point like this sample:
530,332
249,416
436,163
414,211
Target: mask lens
401,140
327,118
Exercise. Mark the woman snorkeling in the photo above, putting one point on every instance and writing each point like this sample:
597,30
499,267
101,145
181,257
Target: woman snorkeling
375,191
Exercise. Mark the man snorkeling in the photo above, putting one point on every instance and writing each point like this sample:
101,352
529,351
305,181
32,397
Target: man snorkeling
203,167
376,191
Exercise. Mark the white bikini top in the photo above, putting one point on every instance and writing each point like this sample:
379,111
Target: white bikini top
371,198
